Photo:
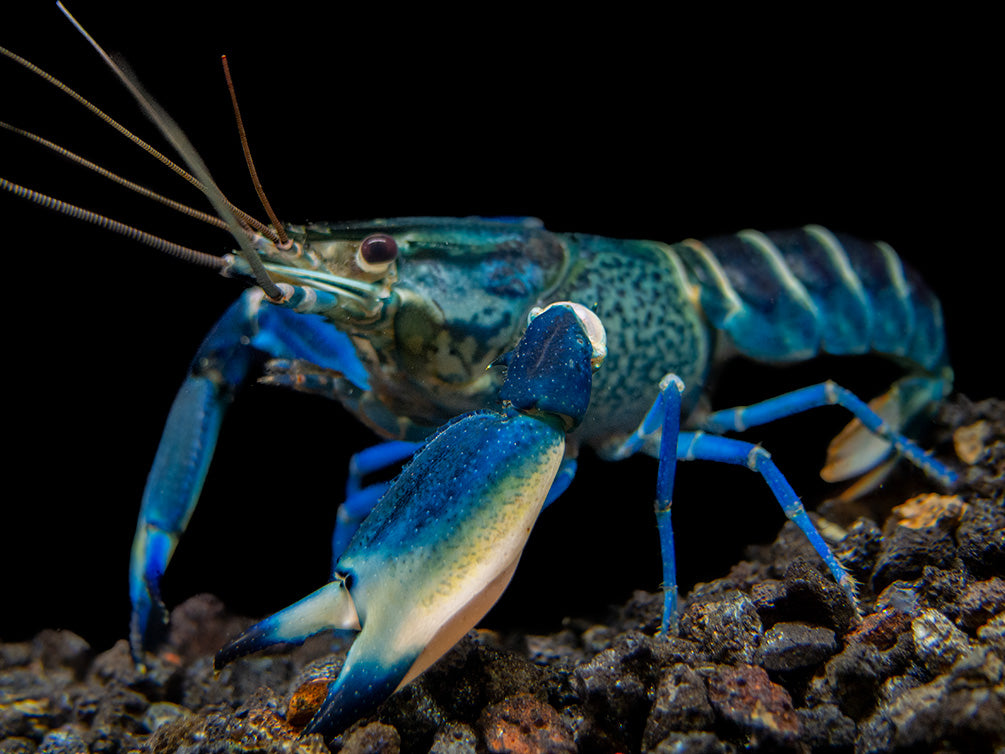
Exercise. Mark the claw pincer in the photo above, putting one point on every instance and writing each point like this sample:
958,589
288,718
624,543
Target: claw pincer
442,544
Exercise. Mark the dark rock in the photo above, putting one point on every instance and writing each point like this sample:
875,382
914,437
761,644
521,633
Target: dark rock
310,687
416,713
920,532
160,713
992,634
875,735
894,686
899,597
937,642
681,704
63,741
769,598
942,589
981,601
588,733
27,704
759,710
617,685
375,738
978,432
523,724
201,686
17,745
200,625
562,649
788,647
475,673
506,673
113,715
826,730
598,638
963,710
860,548
157,682
851,680
882,629
455,738
62,649
814,597
728,626
643,612
805,594
981,534
693,743
254,727
789,546
15,654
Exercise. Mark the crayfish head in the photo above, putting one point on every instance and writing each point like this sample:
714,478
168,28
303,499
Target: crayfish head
429,303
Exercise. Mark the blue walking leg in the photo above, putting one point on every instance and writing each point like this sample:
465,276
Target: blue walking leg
566,473
661,425
662,422
359,500
828,394
376,458
699,446
670,392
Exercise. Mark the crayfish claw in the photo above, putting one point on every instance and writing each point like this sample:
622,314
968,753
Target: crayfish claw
330,607
148,623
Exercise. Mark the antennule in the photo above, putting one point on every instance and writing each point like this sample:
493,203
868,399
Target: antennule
104,172
284,241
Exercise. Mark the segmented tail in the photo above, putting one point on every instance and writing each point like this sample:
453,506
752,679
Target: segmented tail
791,295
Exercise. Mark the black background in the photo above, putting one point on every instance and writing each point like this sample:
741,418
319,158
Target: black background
637,126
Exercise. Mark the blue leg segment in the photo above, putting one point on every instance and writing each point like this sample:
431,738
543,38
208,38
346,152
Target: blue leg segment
359,500
698,446
377,458
669,403
662,423
566,473
225,358
828,394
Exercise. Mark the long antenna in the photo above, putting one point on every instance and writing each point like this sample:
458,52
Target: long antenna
180,142
104,172
149,149
184,253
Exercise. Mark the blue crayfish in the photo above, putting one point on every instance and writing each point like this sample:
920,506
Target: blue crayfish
401,319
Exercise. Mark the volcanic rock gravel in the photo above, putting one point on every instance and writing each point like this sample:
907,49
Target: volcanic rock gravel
772,657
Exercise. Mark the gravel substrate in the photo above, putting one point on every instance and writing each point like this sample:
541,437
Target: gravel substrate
772,657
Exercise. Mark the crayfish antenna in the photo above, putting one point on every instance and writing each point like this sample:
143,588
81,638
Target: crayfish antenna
57,205
173,133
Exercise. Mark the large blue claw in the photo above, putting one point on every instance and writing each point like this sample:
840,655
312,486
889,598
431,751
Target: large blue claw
440,547
428,562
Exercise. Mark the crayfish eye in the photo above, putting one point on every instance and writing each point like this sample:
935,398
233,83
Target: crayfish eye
376,253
